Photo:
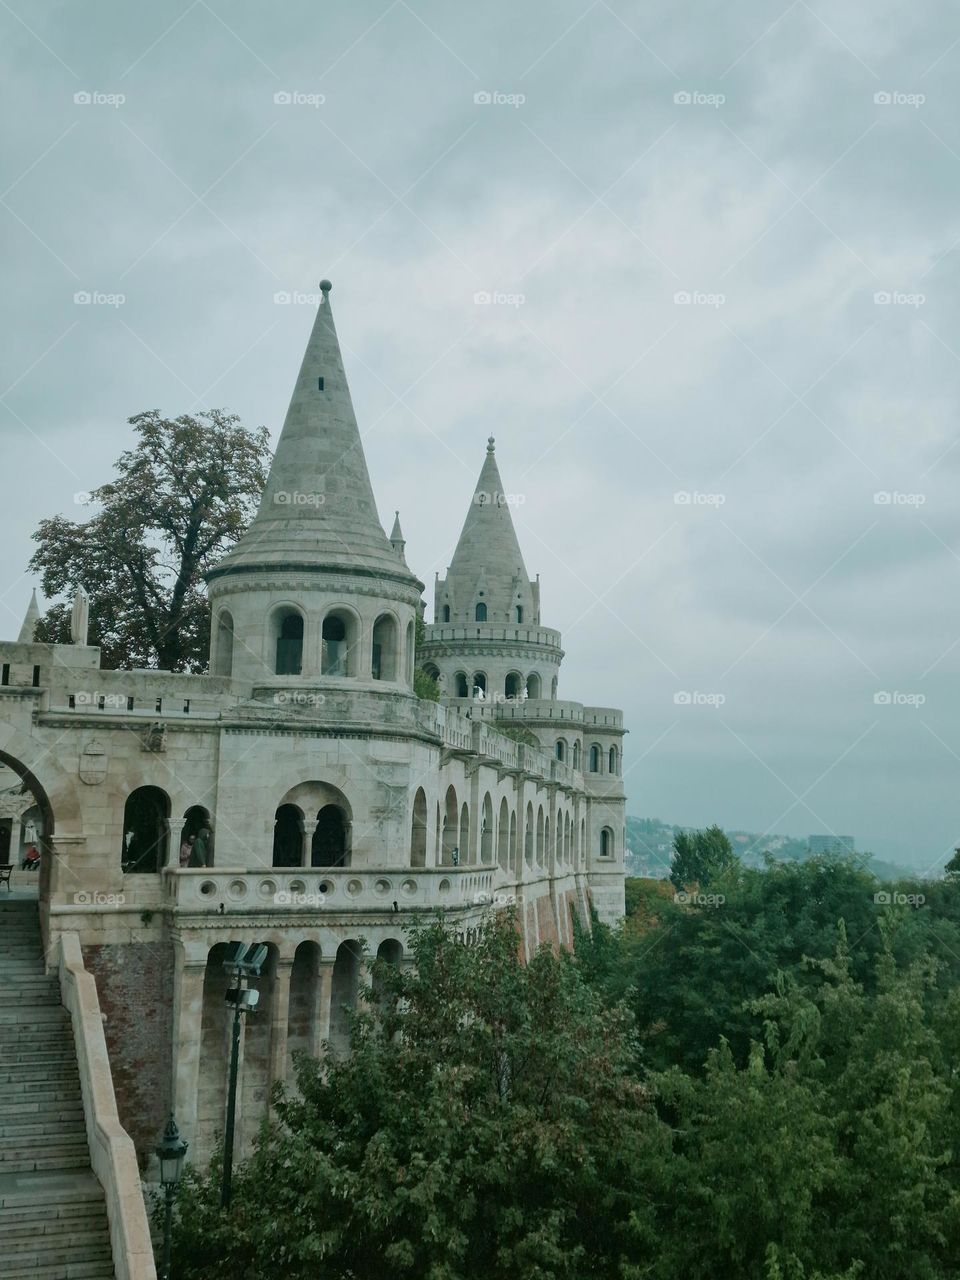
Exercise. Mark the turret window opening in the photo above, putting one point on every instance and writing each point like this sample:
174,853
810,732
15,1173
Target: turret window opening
338,639
290,645
612,763
446,613
479,685
480,613
606,843
513,685
384,657
519,612
596,756
460,685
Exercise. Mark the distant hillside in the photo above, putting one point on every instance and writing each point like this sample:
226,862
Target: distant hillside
650,845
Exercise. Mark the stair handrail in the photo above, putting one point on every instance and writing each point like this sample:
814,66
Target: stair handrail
112,1153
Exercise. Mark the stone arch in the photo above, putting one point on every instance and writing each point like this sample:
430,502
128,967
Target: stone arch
344,993
198,824
607,845
533,685
461,687
514,852
486,831
582,843
57,798
385,650
613,761
330,844
503,837
576,755
596,757
225,638
287,632
480,612
418,830
451,827
339,642
513,685
561,749
528,836
288,836
303,1018
145,844
464,834
411,649
553,688
478,686
558,841
540,835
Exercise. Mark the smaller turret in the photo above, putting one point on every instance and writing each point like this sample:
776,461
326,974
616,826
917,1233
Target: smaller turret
28,632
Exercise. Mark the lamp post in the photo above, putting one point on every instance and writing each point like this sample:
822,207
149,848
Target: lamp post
246,963
171,1153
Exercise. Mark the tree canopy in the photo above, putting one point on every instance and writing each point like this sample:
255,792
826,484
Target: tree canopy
181,497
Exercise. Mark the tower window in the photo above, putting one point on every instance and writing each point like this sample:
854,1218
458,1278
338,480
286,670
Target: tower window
519,612
290,646
480,614
319,384
446,613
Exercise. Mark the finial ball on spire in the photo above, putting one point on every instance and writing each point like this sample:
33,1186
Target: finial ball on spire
325,286
491,444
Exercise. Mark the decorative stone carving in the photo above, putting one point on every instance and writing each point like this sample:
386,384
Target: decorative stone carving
155,738
93,763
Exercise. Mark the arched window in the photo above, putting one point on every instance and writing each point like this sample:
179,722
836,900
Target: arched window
486,830
460,685
198,834
558,840
519,612
290,645
561,749
411,651
451,830
418,833
464,835
446,613
146,831
540,836
533,685
503,837
576,755
595,757
338,644
223,666
513,685
344,992
383,664
329,848
612,760
479,685
553,688
528,837
288,837
513,853
606,843
480,613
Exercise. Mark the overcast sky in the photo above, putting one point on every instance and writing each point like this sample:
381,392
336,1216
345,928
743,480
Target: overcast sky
780,167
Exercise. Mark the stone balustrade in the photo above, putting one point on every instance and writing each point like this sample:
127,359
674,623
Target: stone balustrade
326,889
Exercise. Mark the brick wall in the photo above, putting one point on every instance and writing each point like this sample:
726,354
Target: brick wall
135,986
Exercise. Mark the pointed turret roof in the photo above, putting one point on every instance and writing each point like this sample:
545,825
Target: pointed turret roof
488,558
29,628
318,508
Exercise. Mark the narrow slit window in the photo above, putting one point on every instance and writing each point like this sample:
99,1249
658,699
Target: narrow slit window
319,384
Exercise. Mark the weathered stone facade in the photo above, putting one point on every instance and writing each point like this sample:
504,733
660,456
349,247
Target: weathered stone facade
334,807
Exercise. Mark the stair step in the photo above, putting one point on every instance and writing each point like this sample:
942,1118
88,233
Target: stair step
14,1083
73,1239
61,1161
97,1265
52,1123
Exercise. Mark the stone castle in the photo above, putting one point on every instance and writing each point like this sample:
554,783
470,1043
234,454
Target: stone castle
331,806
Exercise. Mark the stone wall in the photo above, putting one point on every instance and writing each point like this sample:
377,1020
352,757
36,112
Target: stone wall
135,986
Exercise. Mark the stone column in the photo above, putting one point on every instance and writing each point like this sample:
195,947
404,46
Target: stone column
190,963
321,1022
309,830
175,828
280,1020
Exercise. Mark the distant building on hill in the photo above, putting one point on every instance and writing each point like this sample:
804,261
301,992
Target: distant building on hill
830,844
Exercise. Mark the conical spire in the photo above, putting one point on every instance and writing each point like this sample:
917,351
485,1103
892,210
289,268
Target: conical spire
318,508
29,628
397,540
487,567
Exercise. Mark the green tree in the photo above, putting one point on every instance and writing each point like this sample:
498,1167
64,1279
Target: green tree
701,857
425,686
182,497
488,1123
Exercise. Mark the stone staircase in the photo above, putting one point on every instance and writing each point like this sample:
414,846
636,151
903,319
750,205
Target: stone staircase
53,1217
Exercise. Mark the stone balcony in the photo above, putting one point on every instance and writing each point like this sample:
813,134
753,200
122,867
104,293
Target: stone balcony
325,891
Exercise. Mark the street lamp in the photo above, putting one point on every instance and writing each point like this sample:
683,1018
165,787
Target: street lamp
245,963
171,1154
